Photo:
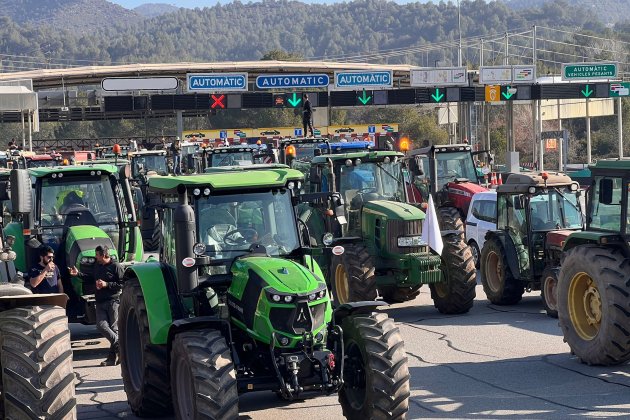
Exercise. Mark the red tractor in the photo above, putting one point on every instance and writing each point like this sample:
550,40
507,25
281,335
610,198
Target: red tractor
449,174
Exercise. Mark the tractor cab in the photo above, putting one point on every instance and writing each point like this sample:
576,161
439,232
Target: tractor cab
301,149
240,155
147,162
447,172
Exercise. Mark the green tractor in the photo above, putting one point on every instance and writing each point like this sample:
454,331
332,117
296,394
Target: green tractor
237,304
384,250
594,280
74,209
36,374
237,155
536,213
145,164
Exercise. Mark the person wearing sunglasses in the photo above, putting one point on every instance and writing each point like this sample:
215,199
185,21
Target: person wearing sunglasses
45,277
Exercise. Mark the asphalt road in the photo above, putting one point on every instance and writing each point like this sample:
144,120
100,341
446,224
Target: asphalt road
491,363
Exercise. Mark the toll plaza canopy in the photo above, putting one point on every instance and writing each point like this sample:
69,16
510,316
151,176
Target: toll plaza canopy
17,98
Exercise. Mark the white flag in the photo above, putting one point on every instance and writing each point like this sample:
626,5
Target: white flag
431,229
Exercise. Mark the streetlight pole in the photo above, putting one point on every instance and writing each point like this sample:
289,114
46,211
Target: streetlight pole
459,29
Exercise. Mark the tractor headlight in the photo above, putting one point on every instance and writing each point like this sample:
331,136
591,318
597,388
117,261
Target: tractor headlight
88,260
288,299
199,248
284,341
327,239
312,296
532,190
574,187
196,192
206,191
410,241
275,298
322,293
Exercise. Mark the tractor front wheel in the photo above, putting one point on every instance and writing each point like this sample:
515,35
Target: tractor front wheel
203,379
37,379
376,374
352,276
496,277
456,293
593,290
549,291
144,365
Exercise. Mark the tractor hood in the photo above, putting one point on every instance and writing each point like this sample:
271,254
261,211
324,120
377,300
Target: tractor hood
392,210
81,242
460,194
282,275
557,238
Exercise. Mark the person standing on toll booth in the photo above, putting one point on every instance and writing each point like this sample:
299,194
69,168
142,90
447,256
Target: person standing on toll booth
176,151
307,116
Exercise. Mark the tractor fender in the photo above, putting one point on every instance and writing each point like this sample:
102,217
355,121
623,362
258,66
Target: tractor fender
596,238
18,301
198,323
510,251
352,308
156,281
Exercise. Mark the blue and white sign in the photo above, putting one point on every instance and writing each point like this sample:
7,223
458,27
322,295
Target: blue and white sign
371,129
298,132
223,134
273,81
363,79
216,82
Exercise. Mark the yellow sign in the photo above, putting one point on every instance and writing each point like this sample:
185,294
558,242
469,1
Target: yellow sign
551,144
493,93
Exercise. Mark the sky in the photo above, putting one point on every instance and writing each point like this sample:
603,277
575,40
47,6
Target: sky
130,4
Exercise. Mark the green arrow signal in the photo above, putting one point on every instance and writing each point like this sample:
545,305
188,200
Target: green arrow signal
364,99
587,92
295,100
507,95
437,96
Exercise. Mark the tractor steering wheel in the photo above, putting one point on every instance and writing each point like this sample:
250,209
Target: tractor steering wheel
247,235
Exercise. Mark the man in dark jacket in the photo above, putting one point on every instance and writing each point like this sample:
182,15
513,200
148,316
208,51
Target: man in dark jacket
176,152
307,116
109,282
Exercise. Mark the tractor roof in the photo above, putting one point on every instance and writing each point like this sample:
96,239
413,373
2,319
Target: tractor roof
622,164
252,167
304,140
148,153
234,178
521,182
234,149
75,169
367,155
440,148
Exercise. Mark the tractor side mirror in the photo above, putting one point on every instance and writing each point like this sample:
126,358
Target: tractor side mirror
21,187
315,176
605,191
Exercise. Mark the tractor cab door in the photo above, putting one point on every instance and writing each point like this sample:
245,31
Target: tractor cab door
512,220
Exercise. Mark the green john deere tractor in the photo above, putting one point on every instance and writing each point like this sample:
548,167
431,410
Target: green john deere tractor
536,212
594,280
384,250
36,374
75,209
237,304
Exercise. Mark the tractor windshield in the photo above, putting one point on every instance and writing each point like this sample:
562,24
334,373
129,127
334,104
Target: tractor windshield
555,209
453,165
142,164
71,201
606,204
230,224
232,159
372,181
43,163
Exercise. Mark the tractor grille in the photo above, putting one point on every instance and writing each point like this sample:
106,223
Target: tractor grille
396,228
89,283
299,318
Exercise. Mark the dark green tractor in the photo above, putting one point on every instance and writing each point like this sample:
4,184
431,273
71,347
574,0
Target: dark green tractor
36,373
237,304
237,155
384,249
74,209
536,212
594,280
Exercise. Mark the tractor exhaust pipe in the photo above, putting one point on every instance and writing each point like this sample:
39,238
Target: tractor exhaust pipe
185,237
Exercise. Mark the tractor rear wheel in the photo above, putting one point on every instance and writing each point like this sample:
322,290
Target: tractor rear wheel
352,275
496,277
549,291
593,290
456,293
450,219
143,365
375,369
393,294
203,379
36,364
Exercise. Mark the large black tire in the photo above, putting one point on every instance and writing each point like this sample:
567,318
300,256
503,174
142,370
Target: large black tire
450,219
36,362
144,365
352,276
593,290
376,374
549,291
203,379
476,252
393,294
13,289
498,282
456,293
151,230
